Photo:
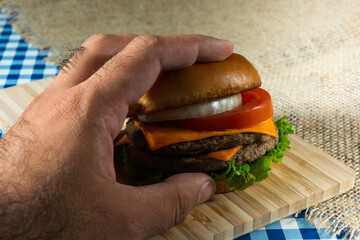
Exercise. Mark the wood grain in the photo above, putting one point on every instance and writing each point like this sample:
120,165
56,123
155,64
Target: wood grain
306,177
14,100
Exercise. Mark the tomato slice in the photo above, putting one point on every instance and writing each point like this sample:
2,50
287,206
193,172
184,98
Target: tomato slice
257,107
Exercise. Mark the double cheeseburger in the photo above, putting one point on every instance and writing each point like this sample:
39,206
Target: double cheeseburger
209,117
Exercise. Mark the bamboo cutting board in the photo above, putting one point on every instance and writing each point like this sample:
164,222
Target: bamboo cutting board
306,177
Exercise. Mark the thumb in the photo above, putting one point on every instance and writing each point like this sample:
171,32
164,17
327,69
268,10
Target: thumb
164,205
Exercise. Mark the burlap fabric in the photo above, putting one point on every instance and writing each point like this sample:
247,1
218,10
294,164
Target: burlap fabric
307,53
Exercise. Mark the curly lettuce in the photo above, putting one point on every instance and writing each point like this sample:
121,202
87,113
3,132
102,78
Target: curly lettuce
240,178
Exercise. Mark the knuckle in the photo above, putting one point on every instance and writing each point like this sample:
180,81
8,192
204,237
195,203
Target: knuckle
72,97
78,52
98,38
68,102
147,40
183,207
75,55
96,88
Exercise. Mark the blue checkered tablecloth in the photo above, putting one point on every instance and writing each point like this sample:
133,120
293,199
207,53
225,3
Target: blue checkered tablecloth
21,63
291,228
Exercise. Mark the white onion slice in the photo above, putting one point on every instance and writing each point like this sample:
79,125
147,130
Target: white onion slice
198,110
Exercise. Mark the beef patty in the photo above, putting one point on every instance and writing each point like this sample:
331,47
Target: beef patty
189,163
200,146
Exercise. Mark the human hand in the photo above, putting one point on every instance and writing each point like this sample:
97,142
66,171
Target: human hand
56,163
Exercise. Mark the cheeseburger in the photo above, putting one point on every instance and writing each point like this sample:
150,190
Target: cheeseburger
211,118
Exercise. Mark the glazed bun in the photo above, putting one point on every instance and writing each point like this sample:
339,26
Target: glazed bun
198,83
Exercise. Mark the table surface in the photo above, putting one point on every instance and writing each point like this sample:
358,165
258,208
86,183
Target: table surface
21,63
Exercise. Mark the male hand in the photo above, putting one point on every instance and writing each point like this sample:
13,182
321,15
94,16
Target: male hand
57,177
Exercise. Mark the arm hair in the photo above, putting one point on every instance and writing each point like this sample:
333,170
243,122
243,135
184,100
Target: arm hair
35,213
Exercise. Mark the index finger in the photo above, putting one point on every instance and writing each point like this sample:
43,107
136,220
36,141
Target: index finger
131,72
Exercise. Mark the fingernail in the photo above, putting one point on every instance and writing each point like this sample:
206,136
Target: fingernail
206,191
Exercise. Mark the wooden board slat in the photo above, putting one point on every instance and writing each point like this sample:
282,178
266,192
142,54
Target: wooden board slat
14,100
306,177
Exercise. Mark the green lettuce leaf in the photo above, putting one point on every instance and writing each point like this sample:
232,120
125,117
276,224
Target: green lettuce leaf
260,168
284,128
238,178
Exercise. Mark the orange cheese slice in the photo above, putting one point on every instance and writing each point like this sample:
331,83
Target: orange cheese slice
158,136
224,155
125,139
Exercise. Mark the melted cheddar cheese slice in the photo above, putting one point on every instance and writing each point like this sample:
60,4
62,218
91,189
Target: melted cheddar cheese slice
224,155
158,136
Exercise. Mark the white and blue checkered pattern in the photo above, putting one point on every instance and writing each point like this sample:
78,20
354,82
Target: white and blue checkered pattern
21,63
292,228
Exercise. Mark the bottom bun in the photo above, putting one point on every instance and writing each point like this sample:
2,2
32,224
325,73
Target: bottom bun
221,187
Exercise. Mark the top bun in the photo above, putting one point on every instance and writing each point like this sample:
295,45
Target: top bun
198,83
